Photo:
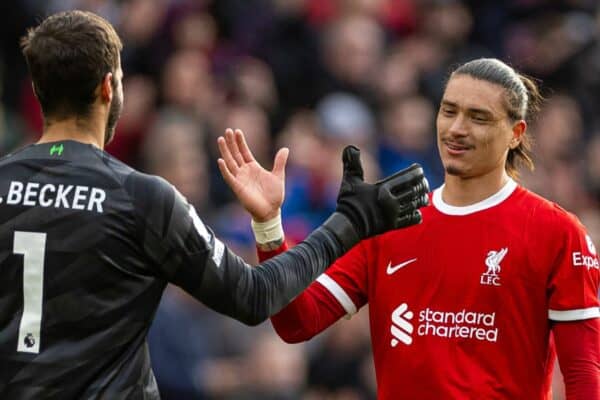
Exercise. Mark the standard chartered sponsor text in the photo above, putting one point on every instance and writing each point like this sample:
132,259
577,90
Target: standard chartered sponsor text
461,324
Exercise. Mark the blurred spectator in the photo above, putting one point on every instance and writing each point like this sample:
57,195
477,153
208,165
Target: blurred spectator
183,335
194,30
447,21
106,8
399,75
174,149
272,370
593,167
141,28
290,46
306,198
398,16
345,118
185,75
9,139
352,51
337,367
409,137
232,223
558,135
315,141
255,123
559,130
255,84
139,93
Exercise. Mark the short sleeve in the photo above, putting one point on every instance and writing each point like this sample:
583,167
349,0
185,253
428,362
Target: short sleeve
347,278
575,274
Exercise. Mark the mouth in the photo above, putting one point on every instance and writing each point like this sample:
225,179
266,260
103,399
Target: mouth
455,149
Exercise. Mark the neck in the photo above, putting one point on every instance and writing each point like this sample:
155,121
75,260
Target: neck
461,192
84,131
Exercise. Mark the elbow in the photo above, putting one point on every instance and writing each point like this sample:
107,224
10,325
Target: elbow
288,335
253,319
252,316
292,339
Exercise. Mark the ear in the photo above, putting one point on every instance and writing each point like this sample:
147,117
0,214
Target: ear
518,130
106,89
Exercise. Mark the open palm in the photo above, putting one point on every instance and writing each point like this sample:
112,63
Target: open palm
260,191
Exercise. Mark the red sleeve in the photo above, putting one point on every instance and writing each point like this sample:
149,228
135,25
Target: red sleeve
575,269
310,313
265,255
578,349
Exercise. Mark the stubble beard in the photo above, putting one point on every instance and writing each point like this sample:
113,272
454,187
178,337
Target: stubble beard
453,170
114,112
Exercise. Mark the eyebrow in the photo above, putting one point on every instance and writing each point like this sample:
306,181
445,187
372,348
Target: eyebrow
470,109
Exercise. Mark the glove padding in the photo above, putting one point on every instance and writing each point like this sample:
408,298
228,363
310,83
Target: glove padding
390,203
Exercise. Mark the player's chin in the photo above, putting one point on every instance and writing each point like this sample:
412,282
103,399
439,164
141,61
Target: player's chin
454,169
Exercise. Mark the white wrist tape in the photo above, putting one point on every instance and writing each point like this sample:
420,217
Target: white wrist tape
268,231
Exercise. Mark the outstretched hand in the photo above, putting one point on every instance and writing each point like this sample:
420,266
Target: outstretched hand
391,203
261,192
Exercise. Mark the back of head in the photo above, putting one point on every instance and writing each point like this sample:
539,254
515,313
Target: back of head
68,55
522,101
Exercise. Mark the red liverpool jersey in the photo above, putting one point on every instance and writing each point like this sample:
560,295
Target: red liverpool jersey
461,305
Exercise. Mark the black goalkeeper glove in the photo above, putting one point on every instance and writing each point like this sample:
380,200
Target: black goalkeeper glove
371,209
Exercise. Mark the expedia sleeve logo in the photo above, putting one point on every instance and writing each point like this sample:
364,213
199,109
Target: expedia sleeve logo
584,260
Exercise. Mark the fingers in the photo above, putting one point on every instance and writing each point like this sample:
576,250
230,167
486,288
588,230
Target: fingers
405,177
280,162
352,165
227,175
243,146
225,151
418,191
233,147
405,204
413,218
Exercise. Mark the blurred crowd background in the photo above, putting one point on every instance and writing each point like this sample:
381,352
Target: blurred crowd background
313,75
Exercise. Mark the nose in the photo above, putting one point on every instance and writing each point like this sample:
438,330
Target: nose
458,126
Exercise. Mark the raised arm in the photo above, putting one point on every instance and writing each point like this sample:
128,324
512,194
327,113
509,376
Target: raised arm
391,203
187,253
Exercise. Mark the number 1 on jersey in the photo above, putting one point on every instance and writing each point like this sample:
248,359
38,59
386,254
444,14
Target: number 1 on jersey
32,246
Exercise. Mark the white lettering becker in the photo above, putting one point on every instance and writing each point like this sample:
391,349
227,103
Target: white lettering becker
77,197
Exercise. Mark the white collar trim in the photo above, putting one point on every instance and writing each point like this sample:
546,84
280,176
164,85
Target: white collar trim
491,201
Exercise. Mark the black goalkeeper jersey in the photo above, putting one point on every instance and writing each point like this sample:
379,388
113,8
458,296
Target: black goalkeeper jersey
87,246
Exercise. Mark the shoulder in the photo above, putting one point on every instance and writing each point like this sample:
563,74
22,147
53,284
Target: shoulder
548,216
119,169
12,155
149,192
144,189
142,183
546,211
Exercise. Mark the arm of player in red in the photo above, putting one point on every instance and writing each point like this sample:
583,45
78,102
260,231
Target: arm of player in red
310,313
578,348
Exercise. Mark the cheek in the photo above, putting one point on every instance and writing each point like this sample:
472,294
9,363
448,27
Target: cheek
440,124
496,146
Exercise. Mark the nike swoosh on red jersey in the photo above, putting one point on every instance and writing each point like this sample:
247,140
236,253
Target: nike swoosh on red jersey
390,270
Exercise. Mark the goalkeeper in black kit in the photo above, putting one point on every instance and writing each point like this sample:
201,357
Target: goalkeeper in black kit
88,244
